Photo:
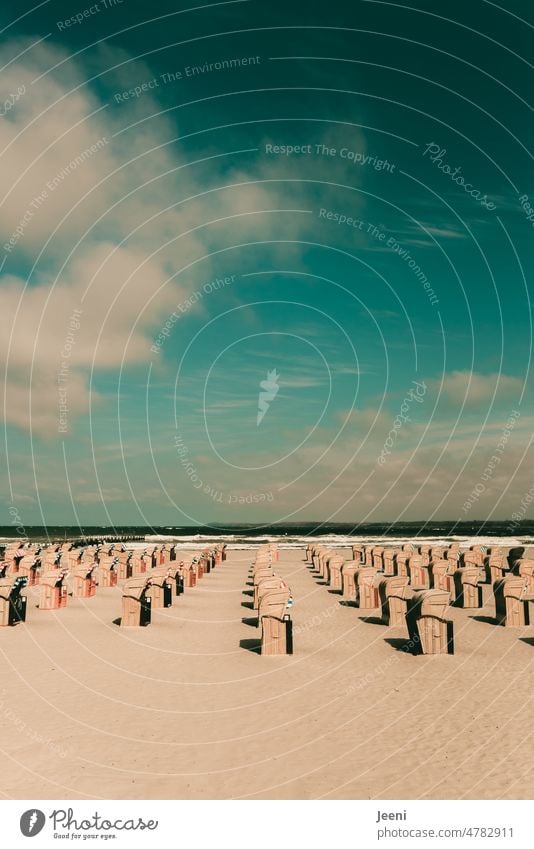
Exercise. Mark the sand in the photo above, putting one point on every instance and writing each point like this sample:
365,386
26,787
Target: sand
187,709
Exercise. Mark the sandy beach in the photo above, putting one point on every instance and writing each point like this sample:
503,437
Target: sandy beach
187,709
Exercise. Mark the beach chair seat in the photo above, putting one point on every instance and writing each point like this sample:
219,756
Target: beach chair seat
512,601
53,590
136,603
84,581
393,592
429,631
12,600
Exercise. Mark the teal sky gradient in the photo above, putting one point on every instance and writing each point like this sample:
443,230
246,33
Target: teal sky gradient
425,285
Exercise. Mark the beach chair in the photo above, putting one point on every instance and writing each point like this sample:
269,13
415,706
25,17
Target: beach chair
266,586
53,590
333,562
30,567
276,625
367,589
357,553
323,557
467,585
525,568
139,563
315,556
472,558
393,592
160,589
389,559
107,571
124,565
452,553
496,565
512,601
402,560
136,603
176,577
349,579
84,581
442,576
12,600
429,631
378,561
198,567
419,572
335,568
270,599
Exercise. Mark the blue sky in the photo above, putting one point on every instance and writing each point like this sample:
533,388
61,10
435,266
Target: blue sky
340,197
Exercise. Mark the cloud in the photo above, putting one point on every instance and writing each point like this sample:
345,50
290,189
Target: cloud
472,388
109,223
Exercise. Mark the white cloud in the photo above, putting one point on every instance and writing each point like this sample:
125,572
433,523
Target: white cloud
117,229
474,388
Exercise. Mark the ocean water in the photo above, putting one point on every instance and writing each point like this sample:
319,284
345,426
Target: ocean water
295,535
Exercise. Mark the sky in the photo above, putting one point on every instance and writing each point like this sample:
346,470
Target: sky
266,261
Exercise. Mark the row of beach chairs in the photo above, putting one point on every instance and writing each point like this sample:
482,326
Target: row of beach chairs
414,586
272,599
151,577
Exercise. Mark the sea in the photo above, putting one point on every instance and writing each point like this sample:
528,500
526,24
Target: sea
296,535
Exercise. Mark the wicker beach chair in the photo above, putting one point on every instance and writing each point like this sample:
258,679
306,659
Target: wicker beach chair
429,631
